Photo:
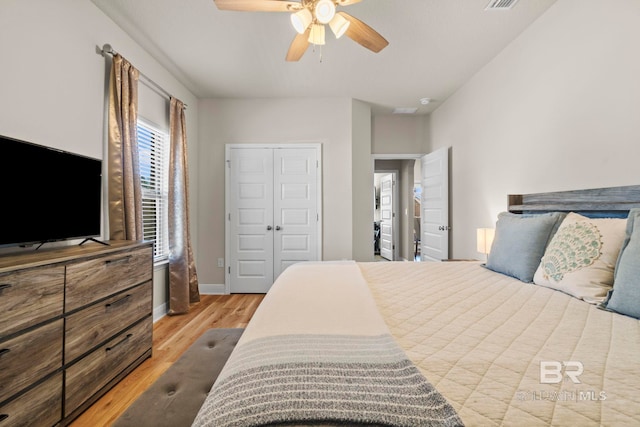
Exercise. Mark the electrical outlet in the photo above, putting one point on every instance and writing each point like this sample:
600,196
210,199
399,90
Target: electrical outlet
221,262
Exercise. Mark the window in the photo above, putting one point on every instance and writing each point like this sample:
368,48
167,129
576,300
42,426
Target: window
153,147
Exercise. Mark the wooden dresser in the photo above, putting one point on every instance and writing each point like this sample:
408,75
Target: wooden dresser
73,322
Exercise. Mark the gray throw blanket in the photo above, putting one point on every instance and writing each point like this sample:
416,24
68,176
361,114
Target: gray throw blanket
364,380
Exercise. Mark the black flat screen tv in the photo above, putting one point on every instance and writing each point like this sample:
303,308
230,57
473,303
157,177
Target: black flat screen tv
47,194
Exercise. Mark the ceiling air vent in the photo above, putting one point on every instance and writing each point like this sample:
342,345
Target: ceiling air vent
500,4
405,110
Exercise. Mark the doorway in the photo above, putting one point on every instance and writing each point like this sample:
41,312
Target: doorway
422,215
386,215
393,222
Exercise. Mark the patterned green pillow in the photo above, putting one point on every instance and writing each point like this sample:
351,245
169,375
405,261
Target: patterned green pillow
625,296
581,257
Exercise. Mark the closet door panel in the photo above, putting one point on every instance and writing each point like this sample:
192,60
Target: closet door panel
295,207
251,191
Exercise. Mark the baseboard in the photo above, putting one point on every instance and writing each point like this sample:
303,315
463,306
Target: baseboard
205,289
159,312
211,289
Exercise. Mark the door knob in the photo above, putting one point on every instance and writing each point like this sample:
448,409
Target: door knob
278,227
269,228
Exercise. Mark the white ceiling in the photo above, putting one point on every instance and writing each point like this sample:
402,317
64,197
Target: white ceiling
434,47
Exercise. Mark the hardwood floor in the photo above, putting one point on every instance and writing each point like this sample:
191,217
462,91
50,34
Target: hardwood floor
172,335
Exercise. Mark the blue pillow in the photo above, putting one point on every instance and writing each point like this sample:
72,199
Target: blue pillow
520,242
624,298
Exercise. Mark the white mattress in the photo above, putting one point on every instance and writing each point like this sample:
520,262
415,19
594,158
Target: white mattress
480,337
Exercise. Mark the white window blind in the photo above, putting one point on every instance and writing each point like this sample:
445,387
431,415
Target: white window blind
153,147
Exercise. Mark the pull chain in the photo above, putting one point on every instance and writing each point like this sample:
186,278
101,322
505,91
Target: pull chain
320,51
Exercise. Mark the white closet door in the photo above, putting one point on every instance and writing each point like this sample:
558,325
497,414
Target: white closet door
273,213
295,207
251,220
386,217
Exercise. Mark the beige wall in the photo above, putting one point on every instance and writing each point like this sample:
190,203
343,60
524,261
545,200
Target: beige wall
558,109
362,176
52,82
269,121
400,134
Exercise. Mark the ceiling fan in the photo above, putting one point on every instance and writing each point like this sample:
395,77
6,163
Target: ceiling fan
309,18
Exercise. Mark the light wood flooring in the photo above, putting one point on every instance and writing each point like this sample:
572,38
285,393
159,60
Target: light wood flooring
172,335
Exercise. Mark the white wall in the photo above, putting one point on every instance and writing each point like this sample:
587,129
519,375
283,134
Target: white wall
269,121
52,82
558,109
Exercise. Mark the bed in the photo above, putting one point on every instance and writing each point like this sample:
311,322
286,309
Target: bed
546,333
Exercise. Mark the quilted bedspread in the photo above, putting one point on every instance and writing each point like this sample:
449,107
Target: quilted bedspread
505,352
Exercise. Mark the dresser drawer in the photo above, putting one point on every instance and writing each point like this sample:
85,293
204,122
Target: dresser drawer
39,407
30,296
29,357
91,373
89,327
91,280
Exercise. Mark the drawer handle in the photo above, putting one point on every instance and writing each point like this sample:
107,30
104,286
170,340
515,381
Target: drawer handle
119,260
3,417
108,349
117,302
4,351
4,286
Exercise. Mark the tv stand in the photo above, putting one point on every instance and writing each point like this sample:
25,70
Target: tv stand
74,321
93,240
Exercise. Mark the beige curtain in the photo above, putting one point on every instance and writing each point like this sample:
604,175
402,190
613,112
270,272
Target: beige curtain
183,279
125,200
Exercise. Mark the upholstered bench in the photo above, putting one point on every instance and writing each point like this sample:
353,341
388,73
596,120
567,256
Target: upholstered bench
175,398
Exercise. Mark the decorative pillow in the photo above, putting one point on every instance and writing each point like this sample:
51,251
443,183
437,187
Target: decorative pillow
581,257
625,296
519,243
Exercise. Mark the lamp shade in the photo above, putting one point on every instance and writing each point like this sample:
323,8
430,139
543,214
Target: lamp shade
325,11
339,25
485,239
316,35
301,20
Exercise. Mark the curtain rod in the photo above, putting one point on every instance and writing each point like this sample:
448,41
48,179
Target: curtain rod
108,50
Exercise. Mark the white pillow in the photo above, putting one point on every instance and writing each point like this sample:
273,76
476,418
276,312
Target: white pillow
581,257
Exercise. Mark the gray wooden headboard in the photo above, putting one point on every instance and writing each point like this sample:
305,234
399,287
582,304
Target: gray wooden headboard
598,202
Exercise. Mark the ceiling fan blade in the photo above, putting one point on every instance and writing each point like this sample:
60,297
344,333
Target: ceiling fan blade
363,34
347,2
258,5
298,46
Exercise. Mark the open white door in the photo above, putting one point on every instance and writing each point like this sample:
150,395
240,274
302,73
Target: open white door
386,217
434,203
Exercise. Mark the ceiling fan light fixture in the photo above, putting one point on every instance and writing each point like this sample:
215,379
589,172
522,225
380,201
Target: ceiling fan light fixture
339,25
301,20
325,10
316,35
